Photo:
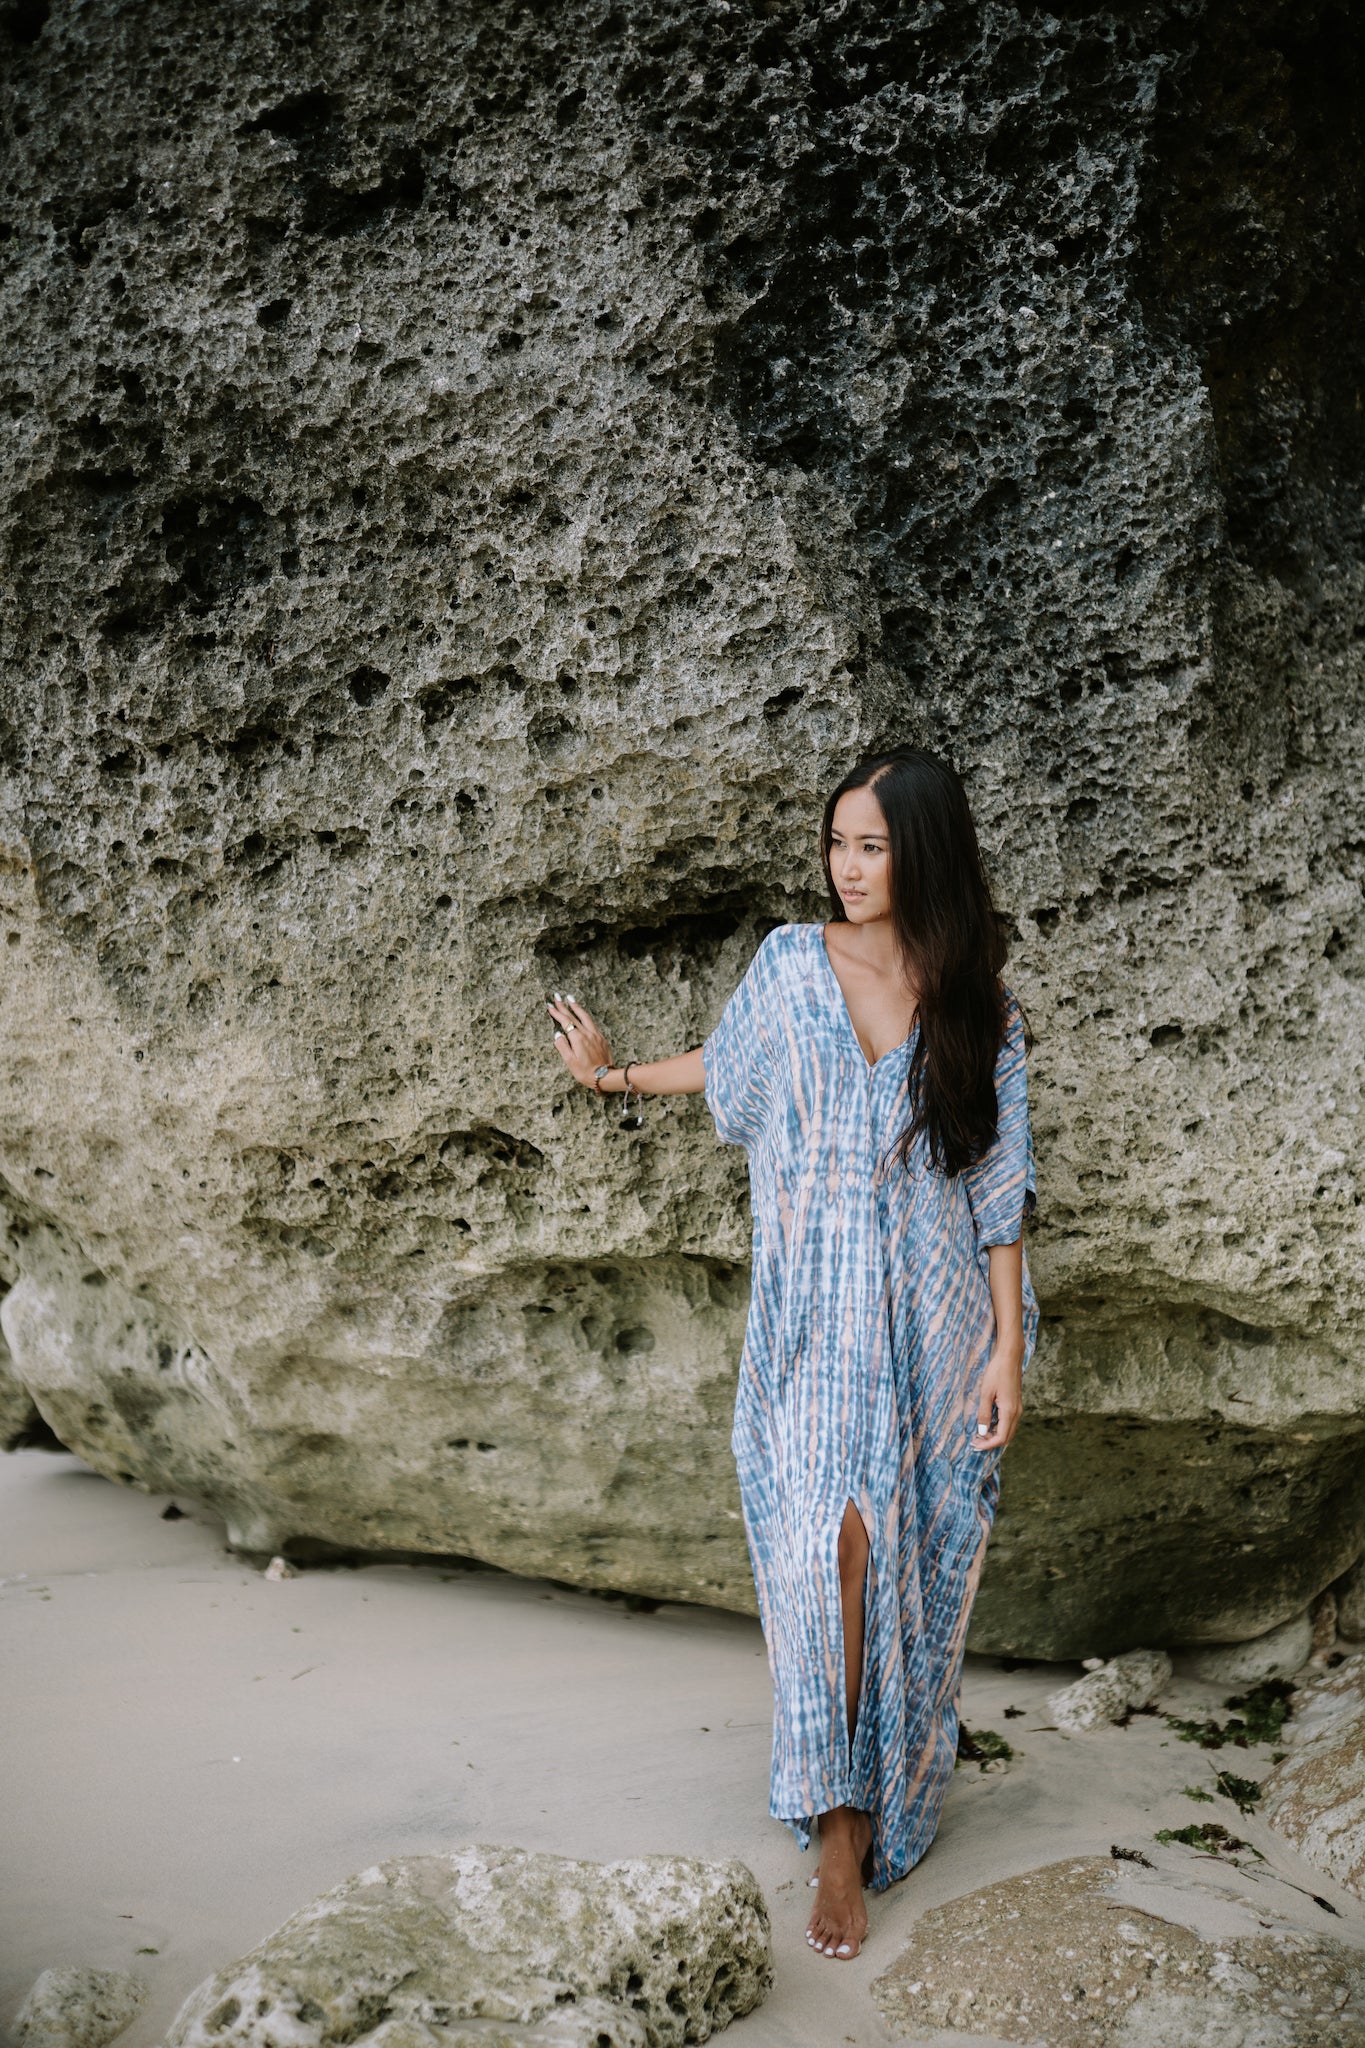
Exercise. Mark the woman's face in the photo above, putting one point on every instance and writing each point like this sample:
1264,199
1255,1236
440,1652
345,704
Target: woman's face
860,857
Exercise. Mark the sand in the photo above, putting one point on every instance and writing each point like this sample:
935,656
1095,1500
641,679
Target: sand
193,1752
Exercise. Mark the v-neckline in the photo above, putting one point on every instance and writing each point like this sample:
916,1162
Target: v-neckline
871,1065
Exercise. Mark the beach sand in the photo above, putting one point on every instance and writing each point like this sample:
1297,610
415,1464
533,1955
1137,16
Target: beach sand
194,1752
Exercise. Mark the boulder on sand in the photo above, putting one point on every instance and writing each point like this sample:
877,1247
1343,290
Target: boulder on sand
77,2008
1054,1959
1316,1796
499,1948
473,476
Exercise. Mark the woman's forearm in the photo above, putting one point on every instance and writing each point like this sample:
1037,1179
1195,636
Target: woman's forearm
1002,1383
684,1074
1007,1293
583,1047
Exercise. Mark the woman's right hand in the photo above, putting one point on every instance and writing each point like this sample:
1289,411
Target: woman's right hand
579,1040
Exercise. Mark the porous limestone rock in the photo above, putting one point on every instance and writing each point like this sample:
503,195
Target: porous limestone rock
1279,1653
499,1948
1054,1960
472,477
1111,1691
77,2008
1316,1797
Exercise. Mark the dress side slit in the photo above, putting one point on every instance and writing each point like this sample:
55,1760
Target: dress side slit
854,1584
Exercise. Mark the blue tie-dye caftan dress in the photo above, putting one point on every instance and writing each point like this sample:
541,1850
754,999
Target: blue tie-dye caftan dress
869,1329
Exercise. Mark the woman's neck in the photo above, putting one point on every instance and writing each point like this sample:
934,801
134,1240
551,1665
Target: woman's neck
872,947
872,940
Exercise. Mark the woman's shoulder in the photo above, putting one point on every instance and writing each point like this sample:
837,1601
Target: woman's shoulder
785,942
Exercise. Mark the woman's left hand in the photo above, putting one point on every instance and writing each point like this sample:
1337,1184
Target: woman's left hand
579,1039
1002,1388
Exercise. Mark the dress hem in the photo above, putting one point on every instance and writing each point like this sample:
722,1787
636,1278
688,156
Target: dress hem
886,1871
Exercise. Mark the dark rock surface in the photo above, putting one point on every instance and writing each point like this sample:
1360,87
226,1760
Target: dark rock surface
472,477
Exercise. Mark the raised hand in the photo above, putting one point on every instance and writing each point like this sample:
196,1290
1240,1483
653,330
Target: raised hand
579,1040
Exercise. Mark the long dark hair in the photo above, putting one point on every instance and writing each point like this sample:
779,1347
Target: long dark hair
951,941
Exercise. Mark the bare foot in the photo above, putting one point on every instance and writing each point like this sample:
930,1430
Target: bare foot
838,1921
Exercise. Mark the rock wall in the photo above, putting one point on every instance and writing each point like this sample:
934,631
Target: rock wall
473,476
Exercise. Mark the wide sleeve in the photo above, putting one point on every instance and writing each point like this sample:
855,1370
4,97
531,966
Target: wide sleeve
1002,1186
737,1057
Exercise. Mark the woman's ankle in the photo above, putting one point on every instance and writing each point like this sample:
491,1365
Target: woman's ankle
845,1823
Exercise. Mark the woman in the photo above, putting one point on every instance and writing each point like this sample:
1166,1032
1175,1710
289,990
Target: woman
873,1069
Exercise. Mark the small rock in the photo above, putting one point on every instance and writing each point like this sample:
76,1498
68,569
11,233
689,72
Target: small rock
279,1568
1096,1700
509,1948
1144,1672
1278,1654
1350,1592
1110,1691
75,2008
1316,1797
